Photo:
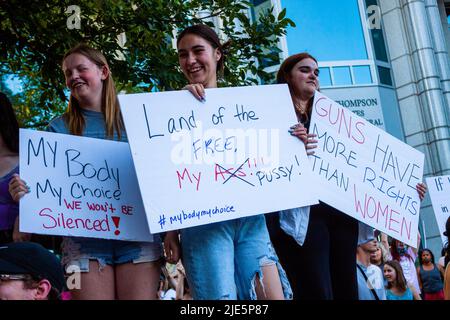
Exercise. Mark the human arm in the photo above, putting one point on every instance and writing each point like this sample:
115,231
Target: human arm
385,244
172,247
415,294
441,270
419,278
19,236
416,249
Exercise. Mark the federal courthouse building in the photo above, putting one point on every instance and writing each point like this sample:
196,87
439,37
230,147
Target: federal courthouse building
388,61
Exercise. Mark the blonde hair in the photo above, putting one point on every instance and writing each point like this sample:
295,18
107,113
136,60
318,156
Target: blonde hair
110,104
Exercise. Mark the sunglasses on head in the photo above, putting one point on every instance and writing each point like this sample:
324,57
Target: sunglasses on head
8,277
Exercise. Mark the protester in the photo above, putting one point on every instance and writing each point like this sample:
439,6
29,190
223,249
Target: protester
110,269
398,288
429,276
9,165
370,277
407,256
447,260
230,259
321,235
441,261
380,256
28,271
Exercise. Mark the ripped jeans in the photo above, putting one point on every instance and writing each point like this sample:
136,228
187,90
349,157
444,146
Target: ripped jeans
77,251
222,259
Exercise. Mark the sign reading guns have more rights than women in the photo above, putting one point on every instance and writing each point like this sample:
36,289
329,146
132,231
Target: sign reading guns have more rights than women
80,187
365,172
228,157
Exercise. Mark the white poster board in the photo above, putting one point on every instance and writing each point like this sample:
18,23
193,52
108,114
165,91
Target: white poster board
81,187
365,172
439,189
228,157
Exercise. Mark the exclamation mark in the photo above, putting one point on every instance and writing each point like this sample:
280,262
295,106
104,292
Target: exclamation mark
296,160
116,223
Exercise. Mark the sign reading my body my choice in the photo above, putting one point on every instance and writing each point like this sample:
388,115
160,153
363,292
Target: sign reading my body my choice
80,187
365,172
228,157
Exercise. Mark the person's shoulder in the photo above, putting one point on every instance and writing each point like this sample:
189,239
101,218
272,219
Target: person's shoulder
58,125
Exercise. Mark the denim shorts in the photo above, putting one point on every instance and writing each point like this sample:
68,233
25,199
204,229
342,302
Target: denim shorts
77,251
222,259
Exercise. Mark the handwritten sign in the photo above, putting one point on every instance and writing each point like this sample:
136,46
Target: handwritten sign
365,172
229,157
80,187
439,188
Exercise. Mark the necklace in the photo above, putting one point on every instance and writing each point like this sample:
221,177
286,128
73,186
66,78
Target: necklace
299,108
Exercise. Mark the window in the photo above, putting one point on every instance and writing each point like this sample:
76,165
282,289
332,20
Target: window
342,76
385,75
377,37
325,77
362,75
329,30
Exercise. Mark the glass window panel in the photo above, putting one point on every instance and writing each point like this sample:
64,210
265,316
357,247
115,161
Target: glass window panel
329,30
362,74
342,76
324,77
260,7
385,75
377,37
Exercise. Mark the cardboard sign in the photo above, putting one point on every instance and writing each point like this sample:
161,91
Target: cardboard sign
439,188
365,172
228,157
81,187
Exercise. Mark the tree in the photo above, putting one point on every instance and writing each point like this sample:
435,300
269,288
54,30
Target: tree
35,34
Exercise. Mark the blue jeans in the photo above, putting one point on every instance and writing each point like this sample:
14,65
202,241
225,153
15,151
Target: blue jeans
222,259
77,251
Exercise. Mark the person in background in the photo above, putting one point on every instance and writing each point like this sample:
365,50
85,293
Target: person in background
430,278
28,271
370,276
398,288
9,165
407,256
441,261
446,263
380,256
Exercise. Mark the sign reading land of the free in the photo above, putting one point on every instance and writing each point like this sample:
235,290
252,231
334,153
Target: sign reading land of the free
365,172
439,188
228,157
81,187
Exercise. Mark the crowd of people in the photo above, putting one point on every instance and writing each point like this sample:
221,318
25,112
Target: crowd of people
314,252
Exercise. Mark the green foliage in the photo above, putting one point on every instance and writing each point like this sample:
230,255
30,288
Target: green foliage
34,37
